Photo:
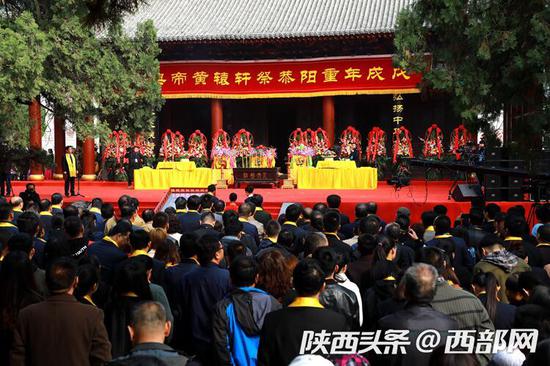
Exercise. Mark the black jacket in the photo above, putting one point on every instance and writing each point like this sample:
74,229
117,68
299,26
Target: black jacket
135,160
207,230
262,216
341,300
189,221
283,330
416,318
150,354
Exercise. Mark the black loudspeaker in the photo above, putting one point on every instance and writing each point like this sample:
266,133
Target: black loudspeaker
465,192
494,154
515,195
493,194
492,181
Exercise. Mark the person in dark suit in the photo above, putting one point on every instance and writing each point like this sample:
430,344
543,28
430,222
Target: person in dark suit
208,220
29,195
331,223
181,339
191,219
148,329
245,212
135,161
282,333
262,216
442,226
333,202
17,207
7,228
57,204
46,215
78,327
112,249
70,170
485,286
198,293
419,282
292,215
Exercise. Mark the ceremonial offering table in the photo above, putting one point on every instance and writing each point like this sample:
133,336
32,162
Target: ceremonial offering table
340,178
165,178
336,164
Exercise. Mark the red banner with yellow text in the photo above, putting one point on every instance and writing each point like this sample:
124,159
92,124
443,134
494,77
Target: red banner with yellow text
285,78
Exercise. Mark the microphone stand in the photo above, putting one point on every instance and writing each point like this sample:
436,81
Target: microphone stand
78,194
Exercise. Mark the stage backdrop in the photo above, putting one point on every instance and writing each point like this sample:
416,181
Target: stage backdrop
285,78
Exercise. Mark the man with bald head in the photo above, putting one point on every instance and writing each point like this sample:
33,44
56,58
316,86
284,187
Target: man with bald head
148,329
419,282
17,207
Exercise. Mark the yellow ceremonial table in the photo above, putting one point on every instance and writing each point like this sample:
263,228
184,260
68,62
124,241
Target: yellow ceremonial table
336,178
192,177
336,164
178,165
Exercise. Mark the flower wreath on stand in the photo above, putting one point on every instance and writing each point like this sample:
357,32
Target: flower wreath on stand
114,154
146,146
222,155
296,138
433,149
402,146
242,145
376,150
197,148
173,146
350,139
459,138
433,143
321,143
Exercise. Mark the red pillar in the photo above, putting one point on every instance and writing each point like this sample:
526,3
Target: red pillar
59,140
216,110
88,156
37,172
328,117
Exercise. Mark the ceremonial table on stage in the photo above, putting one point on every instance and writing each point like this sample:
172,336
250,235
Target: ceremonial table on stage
336,164
181,174
336,178
178,165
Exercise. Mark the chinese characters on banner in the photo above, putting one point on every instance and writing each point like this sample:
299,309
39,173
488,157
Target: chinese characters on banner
398,108
285,78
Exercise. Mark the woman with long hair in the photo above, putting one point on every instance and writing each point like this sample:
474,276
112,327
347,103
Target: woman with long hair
130,287
17,290
88,282
168,253
158,236
274,275
486,287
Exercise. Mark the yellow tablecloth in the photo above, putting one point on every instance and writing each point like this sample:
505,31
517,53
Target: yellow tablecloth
336,164
345,178
178,165
148,178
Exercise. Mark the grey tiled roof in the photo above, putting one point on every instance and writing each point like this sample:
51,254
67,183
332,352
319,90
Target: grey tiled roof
188,20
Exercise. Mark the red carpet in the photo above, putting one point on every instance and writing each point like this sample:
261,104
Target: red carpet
418,197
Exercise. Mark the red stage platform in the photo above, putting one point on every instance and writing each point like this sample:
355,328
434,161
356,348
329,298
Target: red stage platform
418,197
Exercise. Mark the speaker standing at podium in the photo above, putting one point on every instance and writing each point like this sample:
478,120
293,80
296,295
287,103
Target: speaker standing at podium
135,161
70,170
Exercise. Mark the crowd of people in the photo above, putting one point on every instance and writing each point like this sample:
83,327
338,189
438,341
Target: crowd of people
205,283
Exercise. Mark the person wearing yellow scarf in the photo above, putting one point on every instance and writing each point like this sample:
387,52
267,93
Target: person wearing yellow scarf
70,170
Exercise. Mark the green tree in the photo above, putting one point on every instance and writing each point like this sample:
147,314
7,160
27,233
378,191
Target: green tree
486,54
23,49
87,66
